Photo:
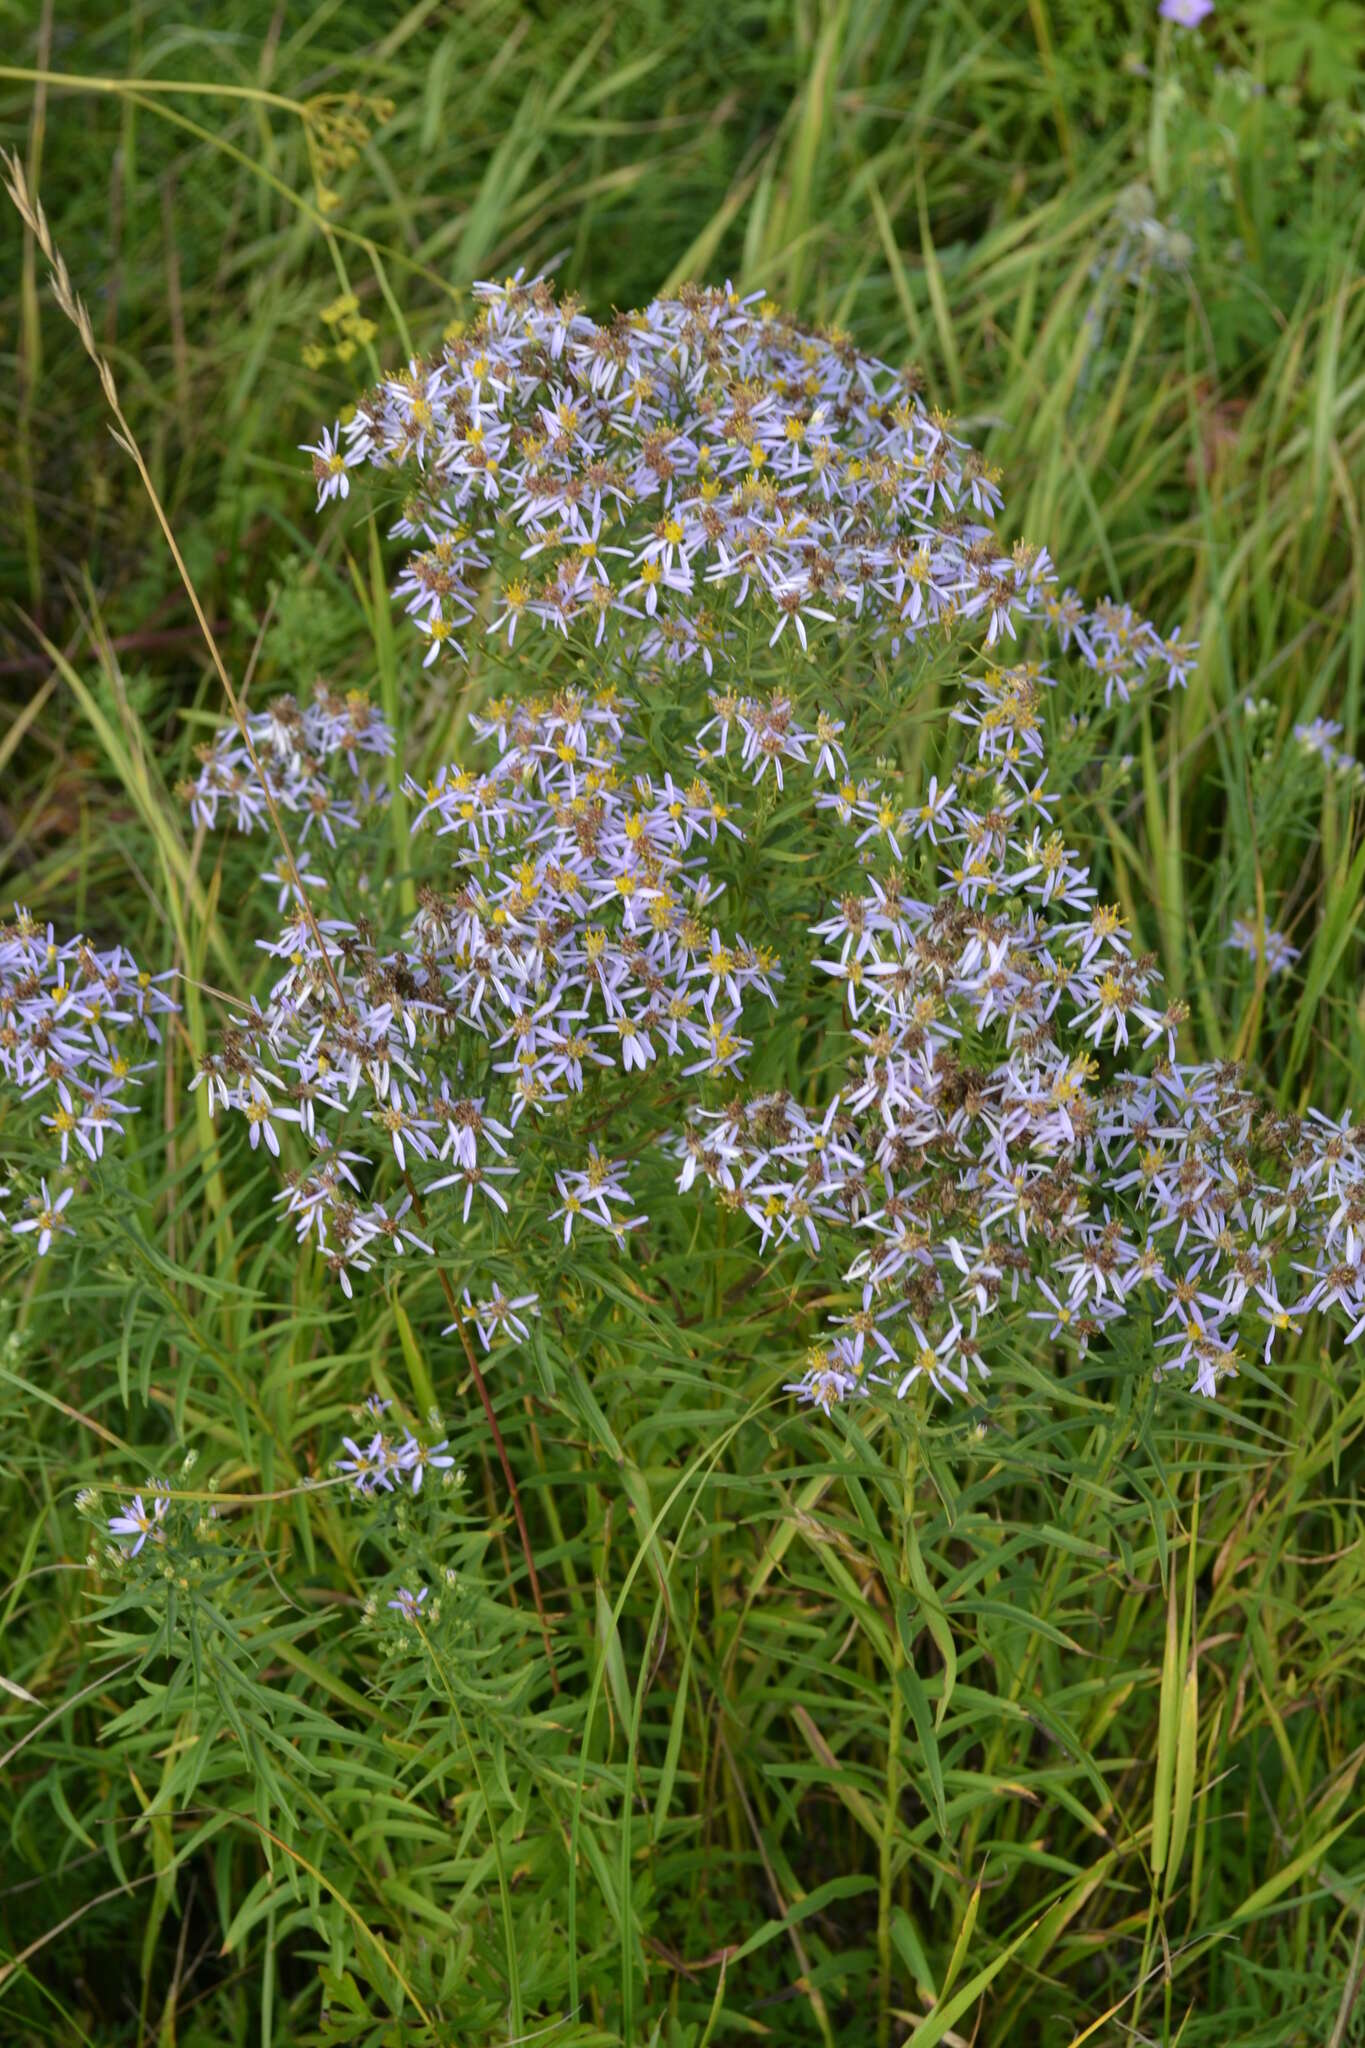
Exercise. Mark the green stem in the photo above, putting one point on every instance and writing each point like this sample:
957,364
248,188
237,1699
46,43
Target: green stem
895,1730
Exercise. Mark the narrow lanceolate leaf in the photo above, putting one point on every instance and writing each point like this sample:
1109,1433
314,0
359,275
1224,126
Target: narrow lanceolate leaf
963,1943
1186,1757
1167,1737
1297,1867
936,1621
610,1651
948,2011
917,1701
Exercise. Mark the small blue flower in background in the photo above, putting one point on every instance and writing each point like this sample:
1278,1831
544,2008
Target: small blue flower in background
1185,14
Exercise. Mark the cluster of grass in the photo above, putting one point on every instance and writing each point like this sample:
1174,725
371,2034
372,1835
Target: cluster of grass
1036,1722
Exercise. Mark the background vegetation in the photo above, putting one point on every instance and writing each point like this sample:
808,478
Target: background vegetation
1035,1723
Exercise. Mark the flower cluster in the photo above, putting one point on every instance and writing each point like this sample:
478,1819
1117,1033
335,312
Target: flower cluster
298,749
383,1463
1318,737
1260,941
69,1015
1016,1138
706,452
571,930
770,732
995,1153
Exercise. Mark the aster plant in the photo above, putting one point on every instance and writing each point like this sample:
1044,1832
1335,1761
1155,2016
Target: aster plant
686,989
707,577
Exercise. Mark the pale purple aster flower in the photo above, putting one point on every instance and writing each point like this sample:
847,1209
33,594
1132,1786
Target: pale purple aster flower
137,1520
330,464
371,1466
409,1605
48,1221
419,1458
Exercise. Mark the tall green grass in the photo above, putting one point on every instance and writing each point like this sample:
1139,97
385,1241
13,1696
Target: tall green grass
1034,1724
